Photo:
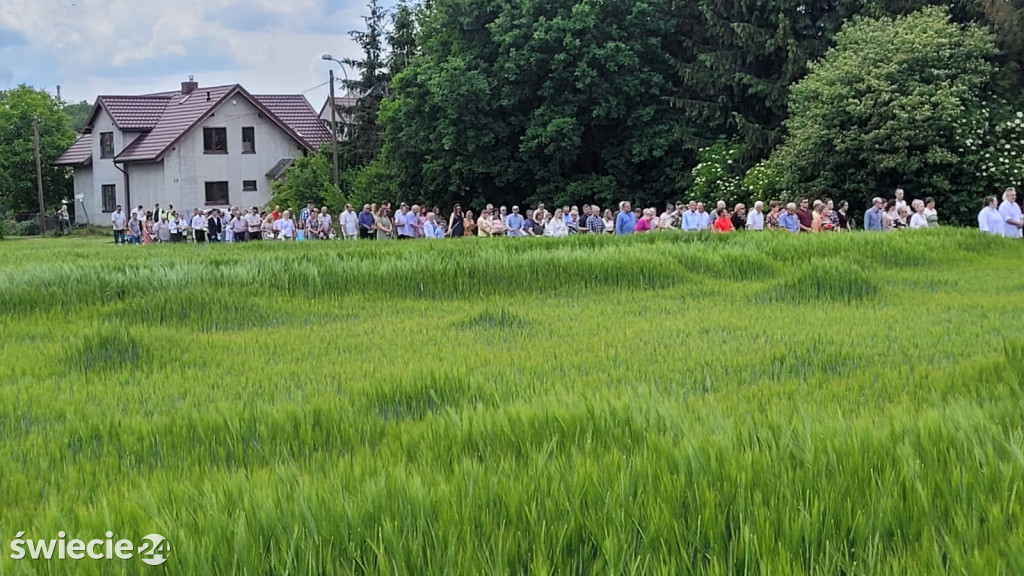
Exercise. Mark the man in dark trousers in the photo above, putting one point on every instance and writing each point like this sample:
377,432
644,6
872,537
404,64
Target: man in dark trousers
214,227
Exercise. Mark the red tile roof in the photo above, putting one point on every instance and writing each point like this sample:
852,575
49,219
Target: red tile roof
79,154
296,112
135,112
166,117
181,114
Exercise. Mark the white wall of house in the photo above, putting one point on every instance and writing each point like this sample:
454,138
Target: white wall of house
147,182
187,168
103,170
83,186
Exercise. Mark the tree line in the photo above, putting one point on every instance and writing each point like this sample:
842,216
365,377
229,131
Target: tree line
594,101
577,101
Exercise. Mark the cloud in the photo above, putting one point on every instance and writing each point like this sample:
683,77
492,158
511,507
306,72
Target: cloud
93,47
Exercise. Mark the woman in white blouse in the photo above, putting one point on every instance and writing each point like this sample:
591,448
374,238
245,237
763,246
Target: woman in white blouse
285,226
609,222
556,228
918,220
989,219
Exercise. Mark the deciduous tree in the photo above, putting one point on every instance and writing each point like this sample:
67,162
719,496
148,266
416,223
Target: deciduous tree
18,108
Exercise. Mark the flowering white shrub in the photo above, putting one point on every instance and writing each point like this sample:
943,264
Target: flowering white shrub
992,142
718,176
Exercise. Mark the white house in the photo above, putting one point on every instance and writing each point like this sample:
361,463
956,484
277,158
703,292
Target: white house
194,148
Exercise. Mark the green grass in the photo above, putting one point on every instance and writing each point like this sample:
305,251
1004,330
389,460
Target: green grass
745,404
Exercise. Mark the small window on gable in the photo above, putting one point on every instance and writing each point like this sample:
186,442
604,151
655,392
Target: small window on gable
248,140
107,145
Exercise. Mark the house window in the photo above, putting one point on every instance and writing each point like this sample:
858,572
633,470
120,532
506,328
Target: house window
109,193
106,144
248,140
217,194
215,140
248,185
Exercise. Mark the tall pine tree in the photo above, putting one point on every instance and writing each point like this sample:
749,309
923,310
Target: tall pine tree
372,86
401,38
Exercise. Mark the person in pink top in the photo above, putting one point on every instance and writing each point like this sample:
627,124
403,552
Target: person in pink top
643,224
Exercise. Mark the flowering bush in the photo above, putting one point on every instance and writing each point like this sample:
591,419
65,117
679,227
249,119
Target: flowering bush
717,175
763,182
991,142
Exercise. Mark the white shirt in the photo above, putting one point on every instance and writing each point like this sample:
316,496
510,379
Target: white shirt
666,219
755,220
1010,211
173,226
556,228
349,223
198,222
325,222
117,218
253,221
989,220
918,221
286,227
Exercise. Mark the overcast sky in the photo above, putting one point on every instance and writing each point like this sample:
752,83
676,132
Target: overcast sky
93,47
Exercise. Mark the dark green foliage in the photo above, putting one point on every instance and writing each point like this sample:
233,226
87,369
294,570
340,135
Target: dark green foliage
78,114
310,179
890,106
372,86
737,59
539,101
401,38
571,101
18,189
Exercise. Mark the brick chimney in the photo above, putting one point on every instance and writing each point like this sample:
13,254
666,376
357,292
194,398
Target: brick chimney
189,87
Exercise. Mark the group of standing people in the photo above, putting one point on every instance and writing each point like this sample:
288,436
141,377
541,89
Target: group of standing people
410,222
1002,219
148,227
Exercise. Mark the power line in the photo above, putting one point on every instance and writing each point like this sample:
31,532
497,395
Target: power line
320,85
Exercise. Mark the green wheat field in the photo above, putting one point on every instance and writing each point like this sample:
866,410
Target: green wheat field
755,404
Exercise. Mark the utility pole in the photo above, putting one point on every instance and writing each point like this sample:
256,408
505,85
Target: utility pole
334,130
39,179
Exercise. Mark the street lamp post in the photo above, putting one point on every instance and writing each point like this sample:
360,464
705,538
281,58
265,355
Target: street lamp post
334,113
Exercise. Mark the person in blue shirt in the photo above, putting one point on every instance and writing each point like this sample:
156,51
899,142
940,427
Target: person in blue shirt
366,223
515,222
789,221
625,222
691,218
431,229
704,221
873,216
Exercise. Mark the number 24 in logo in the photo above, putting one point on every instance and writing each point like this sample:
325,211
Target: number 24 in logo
154,549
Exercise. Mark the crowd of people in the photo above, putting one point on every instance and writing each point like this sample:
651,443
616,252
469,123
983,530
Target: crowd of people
409,222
